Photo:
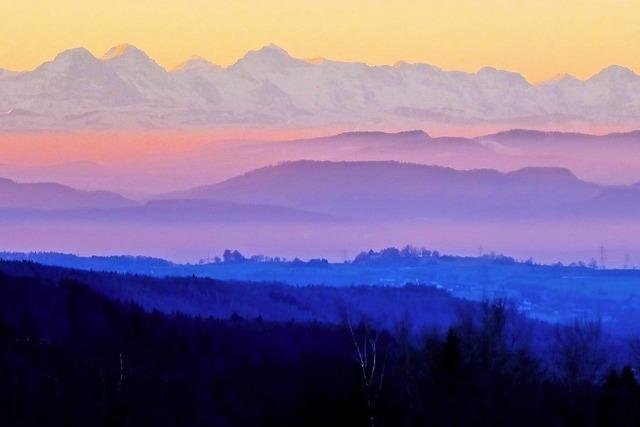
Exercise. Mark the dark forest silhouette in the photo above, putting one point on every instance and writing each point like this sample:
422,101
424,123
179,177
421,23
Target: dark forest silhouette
70,356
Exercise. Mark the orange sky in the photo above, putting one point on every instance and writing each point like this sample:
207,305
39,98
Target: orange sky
539,38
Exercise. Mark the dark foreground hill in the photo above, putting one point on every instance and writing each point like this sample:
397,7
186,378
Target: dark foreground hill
554,293
72,357
385,307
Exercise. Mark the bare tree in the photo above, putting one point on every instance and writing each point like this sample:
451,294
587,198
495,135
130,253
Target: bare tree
367,356
580,355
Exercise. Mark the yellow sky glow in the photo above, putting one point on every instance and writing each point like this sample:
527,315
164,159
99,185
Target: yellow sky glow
538,38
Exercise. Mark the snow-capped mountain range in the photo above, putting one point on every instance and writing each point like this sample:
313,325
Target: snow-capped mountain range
268,87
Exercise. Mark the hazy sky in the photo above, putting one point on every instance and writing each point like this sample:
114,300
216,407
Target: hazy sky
539,38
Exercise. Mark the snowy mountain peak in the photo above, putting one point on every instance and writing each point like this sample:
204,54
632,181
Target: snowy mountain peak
494,74
124,50
271,51
78,54
269,86
615,73
197,63
561,78
149,79
78,59
272,47
134,66
269,58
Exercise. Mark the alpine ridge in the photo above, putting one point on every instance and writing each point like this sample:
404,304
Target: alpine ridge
268,87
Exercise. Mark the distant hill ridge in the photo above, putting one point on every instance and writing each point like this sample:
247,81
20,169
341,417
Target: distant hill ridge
55,196
387,189
321,191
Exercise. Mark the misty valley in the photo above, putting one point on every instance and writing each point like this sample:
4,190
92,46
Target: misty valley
280,239
119,308
330,332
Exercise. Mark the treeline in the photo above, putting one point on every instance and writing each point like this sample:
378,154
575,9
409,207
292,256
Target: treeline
408,255
72,357
427,306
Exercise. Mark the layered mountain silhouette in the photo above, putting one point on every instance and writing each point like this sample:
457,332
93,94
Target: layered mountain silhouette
175,212
324,191
47,201
50,196
126,88
393,190
612,159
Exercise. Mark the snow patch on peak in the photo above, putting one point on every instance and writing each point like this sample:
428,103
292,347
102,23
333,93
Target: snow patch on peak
502,75
270,58
274,48
270,86
74,55
269,51
124,50
197,62
128,59
76,52
615,72
78,60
